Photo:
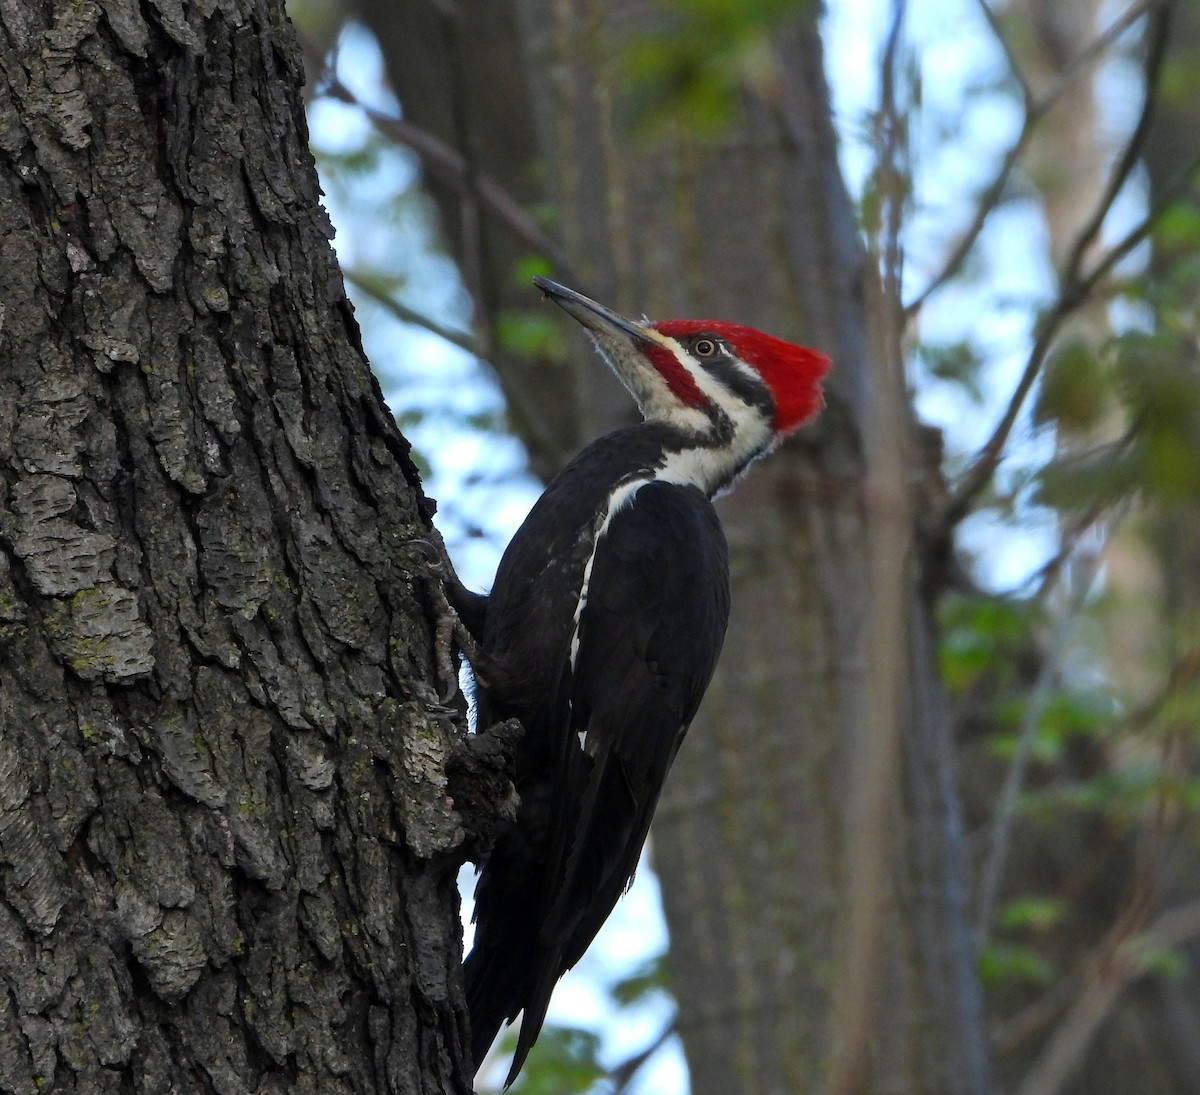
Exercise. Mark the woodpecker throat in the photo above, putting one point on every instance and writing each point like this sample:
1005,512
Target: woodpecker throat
601,634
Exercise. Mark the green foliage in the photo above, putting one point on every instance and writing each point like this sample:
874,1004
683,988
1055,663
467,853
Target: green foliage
691,70
361,160
1120,794
1167,962
982,638
1067,715
1034,914
956,363
649,978
1178,229
1075,388
1004,965
563,1062
532,334
1161,384
529,267
1072,483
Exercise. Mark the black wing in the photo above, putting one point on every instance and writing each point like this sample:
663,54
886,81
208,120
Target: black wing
649,636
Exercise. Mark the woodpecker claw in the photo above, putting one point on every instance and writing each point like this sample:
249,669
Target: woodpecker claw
438,574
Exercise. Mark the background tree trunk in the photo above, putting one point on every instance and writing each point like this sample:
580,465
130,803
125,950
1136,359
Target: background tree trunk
227,842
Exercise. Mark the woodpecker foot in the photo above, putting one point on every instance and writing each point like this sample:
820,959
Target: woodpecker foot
449,630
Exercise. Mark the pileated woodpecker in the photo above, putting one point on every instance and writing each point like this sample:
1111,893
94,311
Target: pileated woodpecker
602,631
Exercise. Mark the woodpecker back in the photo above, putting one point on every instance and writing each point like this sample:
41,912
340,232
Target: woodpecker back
602,632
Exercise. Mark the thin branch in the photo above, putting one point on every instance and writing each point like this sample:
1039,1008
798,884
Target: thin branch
1014,779
977,476
1125,960
993,21
623,1074
1098,47
869,811
1159,28
984,207
371,287
455,170
1140,231
1035,110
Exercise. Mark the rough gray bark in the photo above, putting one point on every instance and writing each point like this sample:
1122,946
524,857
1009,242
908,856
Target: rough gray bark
227,838
751,839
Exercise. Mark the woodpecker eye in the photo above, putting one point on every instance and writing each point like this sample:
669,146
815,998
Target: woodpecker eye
704,347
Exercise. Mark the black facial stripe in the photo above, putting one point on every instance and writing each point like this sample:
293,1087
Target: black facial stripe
746,388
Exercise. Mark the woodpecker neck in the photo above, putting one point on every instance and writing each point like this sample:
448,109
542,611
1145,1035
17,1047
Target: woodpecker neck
709,449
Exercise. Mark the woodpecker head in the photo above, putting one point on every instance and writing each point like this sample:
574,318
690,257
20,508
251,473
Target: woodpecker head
724,384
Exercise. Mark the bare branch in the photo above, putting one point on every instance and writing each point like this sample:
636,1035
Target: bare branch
1039,698
1035,110
1159,27
1140,231
1014,65
455,170
623,1075
984,207
372,287
1096,49
1126,959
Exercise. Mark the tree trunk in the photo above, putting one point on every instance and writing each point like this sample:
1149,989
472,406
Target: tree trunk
227,841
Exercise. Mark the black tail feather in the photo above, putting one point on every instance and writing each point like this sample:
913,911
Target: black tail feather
499,987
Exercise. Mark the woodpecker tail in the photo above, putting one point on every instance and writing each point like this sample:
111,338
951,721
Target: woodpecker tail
503,978
486,975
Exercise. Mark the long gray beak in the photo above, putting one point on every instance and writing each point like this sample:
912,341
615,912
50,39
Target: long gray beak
595,317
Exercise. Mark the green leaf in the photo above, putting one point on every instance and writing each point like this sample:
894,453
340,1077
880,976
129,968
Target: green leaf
1036,914
1167,962
563,1062
1075,387
1161,387
1119,793
691,71
955,362
982,637
532,266
1178,228
650,977
1008,964
533,334
1073,484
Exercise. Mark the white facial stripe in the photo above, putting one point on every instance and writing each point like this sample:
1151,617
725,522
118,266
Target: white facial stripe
751,431
713,389
705,466
647,385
